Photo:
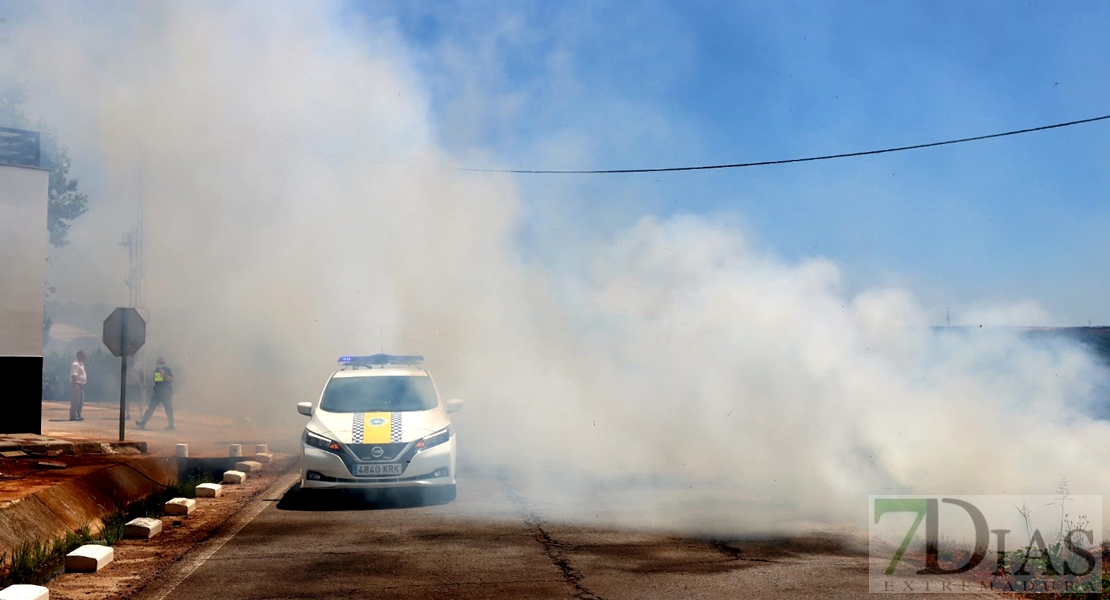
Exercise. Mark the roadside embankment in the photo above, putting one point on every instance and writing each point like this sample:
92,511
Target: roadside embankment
83,491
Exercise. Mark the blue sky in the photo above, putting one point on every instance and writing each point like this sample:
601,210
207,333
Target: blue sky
615,85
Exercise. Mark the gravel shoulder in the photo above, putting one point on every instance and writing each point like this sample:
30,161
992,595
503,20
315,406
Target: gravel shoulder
139,562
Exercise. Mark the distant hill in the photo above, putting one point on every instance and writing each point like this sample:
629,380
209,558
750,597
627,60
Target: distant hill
1095,338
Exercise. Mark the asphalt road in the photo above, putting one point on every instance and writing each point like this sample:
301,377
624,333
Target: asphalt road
492,542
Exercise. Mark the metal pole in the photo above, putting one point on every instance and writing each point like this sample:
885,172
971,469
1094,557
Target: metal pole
122,377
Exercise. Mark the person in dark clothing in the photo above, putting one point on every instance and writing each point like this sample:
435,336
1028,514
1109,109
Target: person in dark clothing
163,394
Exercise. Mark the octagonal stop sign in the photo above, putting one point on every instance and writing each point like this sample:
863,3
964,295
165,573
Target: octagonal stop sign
124,332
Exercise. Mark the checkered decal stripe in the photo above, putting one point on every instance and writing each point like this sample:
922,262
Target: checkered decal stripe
356,428
395,427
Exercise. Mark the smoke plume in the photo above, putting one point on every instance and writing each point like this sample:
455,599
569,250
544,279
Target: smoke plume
299,207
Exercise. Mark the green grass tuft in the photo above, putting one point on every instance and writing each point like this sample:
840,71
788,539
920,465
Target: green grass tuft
38,562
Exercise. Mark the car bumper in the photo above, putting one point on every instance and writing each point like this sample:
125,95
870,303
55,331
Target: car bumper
322,470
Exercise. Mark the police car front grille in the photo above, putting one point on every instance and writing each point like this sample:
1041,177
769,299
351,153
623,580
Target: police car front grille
326,478
366,451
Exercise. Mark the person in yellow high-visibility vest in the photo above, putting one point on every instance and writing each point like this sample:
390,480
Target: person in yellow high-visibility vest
163,394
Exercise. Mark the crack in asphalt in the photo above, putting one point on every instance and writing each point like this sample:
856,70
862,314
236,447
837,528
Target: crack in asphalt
733,552
552,548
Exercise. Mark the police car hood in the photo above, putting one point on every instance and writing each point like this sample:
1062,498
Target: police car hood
378,427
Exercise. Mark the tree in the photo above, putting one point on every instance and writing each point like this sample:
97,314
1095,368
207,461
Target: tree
64,204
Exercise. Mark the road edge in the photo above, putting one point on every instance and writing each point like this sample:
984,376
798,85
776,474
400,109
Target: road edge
166,582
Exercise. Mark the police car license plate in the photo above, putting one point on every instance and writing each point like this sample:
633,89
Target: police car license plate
394,469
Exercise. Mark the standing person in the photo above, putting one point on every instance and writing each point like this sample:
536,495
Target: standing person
77,379
163,393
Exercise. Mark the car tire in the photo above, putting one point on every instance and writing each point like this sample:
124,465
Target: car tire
302,498
439,494
449,494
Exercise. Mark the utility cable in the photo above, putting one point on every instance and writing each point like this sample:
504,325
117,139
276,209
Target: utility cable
765,163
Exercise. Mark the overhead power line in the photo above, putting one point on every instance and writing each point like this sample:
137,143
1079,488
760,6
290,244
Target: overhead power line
765,163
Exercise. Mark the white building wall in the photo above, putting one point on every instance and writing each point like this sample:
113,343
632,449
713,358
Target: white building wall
23,241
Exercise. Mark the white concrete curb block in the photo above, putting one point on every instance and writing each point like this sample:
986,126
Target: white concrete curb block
142,528
261,449
264,457
209,490
89,558
180,506
235,450
22,591
181,450
234,477
248,466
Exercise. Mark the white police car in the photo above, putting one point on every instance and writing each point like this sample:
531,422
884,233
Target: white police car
380,423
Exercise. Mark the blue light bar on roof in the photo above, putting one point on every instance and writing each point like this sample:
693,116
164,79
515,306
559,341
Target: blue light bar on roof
375,360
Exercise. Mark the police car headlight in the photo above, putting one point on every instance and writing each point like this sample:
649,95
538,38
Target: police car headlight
321,442
435,439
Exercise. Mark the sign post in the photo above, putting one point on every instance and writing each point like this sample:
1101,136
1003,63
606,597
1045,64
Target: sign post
124,334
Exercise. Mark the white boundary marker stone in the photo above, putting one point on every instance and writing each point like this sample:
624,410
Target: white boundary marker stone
209,490
261,449
142,528
22,591
182,451
248,466
264,457
235,450
234,477
180,506
89,558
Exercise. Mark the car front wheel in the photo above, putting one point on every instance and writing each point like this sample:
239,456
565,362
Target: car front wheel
440,494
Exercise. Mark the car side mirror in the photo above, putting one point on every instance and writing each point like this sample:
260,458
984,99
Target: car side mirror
305,408
454,405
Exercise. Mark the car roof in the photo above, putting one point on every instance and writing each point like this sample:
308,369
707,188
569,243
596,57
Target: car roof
399,371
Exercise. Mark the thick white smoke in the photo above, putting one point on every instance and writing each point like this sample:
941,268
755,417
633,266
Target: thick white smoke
298,208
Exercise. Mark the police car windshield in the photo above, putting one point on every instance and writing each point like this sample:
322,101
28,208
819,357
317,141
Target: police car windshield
379,394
